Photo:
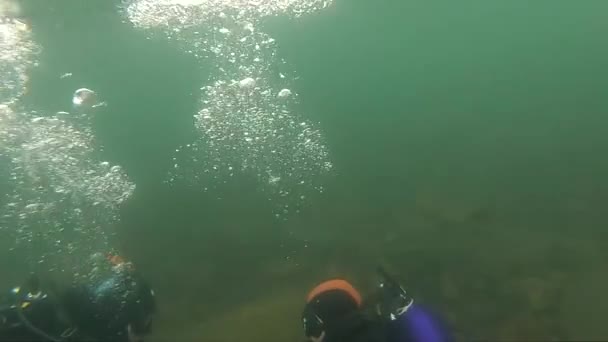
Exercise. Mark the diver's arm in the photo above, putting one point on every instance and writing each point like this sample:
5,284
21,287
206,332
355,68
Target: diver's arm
407,321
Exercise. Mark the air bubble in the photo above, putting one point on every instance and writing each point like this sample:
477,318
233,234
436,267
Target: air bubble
247,83
84,97
248,27
284,93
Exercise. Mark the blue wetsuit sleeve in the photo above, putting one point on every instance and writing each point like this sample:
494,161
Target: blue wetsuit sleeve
418,324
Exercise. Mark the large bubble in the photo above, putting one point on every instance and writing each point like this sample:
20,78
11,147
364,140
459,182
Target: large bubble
245,122
58,199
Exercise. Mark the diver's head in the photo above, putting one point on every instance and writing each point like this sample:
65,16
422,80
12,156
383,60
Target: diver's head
116,306
327,303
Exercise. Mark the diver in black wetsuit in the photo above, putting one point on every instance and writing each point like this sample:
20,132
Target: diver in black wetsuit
335,312
114,304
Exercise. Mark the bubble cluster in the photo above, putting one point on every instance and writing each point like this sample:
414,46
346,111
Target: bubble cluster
9,8
61,199
16,51
245,121
57,199
178,14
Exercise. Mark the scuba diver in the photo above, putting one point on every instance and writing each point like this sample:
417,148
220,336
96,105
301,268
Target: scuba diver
335,312
112,303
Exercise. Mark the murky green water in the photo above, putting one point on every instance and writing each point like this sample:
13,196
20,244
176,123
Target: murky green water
467,144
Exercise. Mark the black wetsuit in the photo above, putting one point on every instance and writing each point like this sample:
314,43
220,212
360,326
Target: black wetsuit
356,327
31,322
416,325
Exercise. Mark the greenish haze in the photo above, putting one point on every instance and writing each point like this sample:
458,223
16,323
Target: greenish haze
469,140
